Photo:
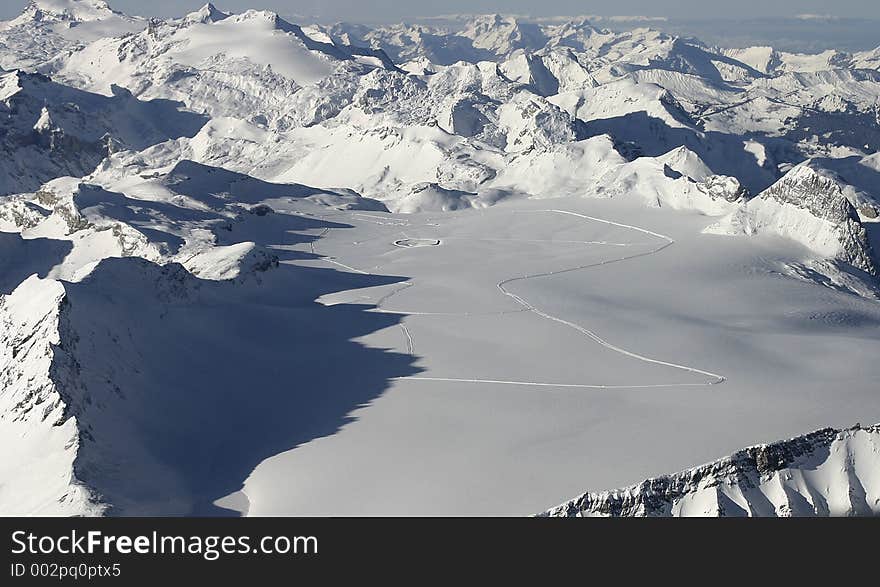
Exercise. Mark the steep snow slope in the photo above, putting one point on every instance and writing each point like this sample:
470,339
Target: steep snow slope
71,10
191,213
49,28
834,112
867,59
39,443
810,207
771,61
593,168
99,393
826,473
502,35
49,130
247,65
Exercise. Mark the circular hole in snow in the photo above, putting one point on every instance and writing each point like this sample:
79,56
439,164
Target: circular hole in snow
409,243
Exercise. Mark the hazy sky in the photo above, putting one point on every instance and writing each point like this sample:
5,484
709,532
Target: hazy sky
853,24
367,10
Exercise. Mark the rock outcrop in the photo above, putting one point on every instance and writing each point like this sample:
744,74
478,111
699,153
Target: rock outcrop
825,473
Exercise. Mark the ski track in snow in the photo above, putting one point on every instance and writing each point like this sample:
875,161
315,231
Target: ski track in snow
410,345
715,379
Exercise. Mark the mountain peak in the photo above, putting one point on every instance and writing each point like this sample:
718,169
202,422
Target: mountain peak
206,14
74,10
504,34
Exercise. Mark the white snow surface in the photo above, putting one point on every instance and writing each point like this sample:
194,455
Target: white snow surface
261,267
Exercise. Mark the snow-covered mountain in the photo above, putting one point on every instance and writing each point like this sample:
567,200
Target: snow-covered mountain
51,130
96,286
826,473
49,28
182,173
810,206
504,83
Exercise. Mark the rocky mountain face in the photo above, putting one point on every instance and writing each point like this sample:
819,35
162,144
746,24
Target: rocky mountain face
826,473
810,205
35,417
50,130
823,198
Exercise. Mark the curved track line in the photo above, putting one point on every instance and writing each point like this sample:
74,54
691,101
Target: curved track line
562,385
589,333
410,345
312,242
344,266
529,307
560,242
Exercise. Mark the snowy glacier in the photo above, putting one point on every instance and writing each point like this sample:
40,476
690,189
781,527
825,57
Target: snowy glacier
257,267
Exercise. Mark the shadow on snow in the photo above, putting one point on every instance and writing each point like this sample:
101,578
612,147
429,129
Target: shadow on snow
181,386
